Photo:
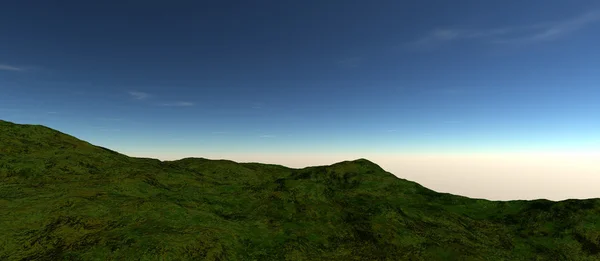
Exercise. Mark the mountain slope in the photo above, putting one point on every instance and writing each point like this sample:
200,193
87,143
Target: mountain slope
62,198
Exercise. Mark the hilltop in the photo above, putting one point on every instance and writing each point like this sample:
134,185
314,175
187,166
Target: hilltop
62,198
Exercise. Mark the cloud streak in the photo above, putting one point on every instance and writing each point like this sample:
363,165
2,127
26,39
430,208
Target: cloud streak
5,67
553,31
110,119
178,104
139,95
257,105
109,130
528,34
351,62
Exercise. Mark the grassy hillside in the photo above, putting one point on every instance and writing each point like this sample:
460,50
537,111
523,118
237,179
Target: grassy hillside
64,199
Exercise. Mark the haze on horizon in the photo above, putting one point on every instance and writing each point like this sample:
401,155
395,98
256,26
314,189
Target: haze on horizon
495,100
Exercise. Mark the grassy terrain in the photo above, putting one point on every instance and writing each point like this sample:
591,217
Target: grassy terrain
64,199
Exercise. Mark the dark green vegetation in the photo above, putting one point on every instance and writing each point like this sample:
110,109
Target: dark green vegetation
65,199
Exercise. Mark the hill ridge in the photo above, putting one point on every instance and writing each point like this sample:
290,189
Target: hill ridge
63,198
360,161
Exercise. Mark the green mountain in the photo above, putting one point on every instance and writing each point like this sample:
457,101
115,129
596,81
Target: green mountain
64,199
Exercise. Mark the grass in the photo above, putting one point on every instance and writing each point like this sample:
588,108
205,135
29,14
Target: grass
64,199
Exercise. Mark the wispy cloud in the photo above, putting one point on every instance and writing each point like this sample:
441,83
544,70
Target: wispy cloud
108,130
6,67
527,34
350,62
139,95
105,128
452,121
257,105
51,112
553,31
178,104
267,136
446,91
439,36
110,119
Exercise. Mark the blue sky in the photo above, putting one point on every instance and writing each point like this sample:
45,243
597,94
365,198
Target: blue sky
194,77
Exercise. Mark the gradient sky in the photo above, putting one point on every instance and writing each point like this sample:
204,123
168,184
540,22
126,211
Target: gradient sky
243,79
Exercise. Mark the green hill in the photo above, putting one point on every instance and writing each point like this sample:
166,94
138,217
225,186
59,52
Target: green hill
64,199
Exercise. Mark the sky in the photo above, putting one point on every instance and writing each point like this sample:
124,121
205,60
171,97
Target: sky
488,99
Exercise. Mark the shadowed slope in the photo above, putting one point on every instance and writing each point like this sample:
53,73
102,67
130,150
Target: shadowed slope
62,198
